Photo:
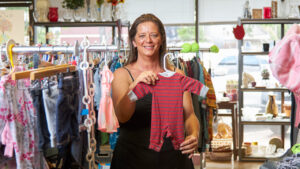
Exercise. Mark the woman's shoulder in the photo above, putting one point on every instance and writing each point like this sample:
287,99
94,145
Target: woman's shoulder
122,73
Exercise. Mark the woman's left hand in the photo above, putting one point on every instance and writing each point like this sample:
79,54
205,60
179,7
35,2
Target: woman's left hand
189,145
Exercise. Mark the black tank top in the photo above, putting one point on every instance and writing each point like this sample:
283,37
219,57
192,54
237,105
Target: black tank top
137,129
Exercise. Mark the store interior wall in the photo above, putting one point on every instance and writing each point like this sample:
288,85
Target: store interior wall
182,12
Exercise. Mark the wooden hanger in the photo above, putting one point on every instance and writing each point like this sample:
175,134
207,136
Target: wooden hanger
26,74
51,71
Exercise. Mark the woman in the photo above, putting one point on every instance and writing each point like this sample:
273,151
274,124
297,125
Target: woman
147,40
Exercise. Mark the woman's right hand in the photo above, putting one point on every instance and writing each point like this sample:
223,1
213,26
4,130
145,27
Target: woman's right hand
148,77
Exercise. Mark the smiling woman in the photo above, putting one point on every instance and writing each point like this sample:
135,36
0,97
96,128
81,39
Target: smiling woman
147,40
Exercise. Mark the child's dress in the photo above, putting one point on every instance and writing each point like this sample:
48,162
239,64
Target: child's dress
107,120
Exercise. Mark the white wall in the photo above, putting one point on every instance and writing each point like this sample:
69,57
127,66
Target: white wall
226,10
169,11
182,11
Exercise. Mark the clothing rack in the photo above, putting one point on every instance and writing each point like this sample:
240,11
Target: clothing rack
75,49
174,49
59,49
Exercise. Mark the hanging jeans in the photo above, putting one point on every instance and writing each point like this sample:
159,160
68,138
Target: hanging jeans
50,96
43,133
67,122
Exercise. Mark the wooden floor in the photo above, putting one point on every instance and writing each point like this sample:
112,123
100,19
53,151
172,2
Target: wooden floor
231,165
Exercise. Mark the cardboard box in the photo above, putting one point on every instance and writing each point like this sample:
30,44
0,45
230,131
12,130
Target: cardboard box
257,13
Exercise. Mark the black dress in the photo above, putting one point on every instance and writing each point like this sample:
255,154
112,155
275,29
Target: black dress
132,152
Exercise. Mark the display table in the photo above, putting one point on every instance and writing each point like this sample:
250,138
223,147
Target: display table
231,105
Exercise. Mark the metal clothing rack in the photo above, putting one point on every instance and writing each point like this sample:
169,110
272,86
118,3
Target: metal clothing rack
174,49
59,49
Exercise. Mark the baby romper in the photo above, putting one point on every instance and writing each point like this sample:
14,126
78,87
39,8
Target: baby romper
167,106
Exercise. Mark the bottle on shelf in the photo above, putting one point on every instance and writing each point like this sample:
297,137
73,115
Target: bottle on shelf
274,6
283,9
294,12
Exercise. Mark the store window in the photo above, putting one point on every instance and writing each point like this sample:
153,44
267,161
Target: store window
14,24
68,35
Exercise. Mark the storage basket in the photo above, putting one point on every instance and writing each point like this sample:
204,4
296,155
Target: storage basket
220,156
216,143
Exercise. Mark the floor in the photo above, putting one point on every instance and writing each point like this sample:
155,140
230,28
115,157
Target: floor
231,165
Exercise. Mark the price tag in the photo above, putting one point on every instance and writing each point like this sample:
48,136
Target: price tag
84,112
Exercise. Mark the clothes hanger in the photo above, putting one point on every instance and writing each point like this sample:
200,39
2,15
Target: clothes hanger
38,74
165,64
27,73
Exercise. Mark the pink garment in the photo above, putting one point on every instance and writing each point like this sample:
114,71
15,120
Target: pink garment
7,140
16,110
285,64
107,120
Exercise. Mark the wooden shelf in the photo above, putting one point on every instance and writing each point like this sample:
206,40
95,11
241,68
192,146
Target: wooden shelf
260,157
79,24
270,21
267,122
264,89
255,53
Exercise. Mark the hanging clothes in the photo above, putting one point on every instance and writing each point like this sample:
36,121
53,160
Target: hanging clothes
107,120
20,117
284,64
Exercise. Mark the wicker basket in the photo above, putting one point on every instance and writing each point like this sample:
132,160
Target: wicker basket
220,156
216,143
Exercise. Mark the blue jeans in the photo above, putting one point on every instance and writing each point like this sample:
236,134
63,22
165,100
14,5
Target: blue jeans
67,122
43,132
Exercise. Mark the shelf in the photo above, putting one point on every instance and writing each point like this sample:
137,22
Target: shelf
78,24
264,89
267,122
258,158
270,21
255,53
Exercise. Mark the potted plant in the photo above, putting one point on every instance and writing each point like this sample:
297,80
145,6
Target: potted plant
265,74
73,4
72,7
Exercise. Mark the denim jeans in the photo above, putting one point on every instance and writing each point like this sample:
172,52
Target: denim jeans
67,122
50,96
67,117
43,132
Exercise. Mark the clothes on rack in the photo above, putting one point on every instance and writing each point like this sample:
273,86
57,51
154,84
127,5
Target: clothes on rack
204,107
19,116
107,120
284,64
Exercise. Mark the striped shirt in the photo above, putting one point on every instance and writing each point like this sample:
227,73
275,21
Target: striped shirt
167,106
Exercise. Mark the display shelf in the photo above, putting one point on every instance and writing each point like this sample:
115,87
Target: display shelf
282,123
270,21
264,89
79,24
259,157
266,122
255,53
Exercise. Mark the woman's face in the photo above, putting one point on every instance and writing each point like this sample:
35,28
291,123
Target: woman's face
147,39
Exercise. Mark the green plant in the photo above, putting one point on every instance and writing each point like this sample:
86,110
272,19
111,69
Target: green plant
265,74
73,4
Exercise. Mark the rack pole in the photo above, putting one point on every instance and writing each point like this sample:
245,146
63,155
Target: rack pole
71,49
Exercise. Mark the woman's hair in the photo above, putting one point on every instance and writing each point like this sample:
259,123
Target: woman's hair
133,30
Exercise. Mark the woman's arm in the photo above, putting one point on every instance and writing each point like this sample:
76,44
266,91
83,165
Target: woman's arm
121,85
191,124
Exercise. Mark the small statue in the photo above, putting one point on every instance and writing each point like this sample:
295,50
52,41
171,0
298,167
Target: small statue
247,13
247,79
